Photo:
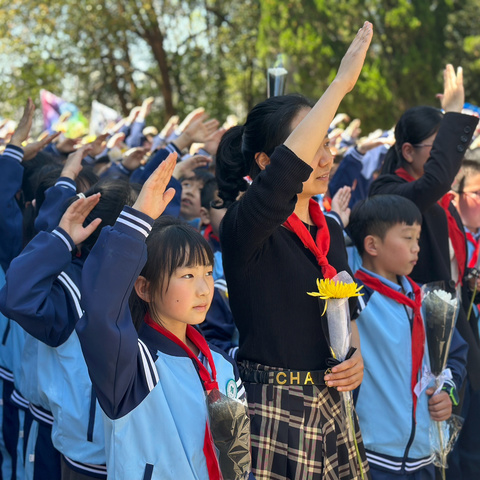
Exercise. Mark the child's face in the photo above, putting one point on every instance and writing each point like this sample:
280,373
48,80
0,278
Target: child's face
397,253
190,201
187,299
469,202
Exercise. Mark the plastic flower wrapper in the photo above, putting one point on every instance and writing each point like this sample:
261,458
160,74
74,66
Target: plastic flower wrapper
335,293
440,311
230,428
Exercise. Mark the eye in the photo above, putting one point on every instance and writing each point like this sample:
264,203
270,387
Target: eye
187,275
209,273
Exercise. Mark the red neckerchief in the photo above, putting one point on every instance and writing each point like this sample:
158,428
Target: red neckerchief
418,329
322,244
476,246
209,383
454,231
208,233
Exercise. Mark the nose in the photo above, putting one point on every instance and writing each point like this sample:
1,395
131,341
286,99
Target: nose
326,158
203,286
416,247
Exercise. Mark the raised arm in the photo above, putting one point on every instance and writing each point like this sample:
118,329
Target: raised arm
305,140
106,332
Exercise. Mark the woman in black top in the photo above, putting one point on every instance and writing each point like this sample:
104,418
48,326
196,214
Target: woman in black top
297,427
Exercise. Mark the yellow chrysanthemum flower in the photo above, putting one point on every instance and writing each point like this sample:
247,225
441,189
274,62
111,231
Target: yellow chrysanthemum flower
328,288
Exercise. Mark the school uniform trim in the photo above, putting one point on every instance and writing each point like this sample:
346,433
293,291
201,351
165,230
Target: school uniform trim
66,182
14,152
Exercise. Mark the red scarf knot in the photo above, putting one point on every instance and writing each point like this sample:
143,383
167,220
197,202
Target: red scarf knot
321,245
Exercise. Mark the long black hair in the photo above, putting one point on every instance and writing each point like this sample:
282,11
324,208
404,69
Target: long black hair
414,126
267,126
170,245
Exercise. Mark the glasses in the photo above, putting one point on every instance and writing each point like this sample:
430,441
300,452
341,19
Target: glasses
419,145
473,194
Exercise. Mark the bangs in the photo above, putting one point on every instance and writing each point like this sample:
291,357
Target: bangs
174,245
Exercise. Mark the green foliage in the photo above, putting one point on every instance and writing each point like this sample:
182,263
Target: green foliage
215,53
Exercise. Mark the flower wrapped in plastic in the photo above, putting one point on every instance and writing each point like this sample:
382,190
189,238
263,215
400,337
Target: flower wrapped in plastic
335,293
230,429
440,311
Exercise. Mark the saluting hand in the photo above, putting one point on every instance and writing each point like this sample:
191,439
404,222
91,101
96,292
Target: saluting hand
154,198
24,125
73,219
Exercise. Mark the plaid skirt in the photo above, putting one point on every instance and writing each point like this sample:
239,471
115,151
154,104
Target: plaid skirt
298,433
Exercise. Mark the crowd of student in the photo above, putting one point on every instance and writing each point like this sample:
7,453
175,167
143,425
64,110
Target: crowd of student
145,275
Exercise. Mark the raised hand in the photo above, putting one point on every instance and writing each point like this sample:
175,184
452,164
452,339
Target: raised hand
22,131
116,140
212,142
98,145
154,198
30,150
453,97
134,157
133,115
73,164
197,131
340,203
201,129
306,138
67,145
73,219
169,128
352,63
191,117
186,167
145,109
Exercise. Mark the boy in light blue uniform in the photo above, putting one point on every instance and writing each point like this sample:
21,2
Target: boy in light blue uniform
394,420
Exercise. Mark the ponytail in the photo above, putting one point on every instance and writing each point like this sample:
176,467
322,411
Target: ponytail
231,167
267,126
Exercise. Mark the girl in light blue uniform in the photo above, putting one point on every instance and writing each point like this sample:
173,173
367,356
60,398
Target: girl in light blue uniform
151,384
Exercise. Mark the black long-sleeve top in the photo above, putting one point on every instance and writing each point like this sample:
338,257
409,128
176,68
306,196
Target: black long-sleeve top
269,271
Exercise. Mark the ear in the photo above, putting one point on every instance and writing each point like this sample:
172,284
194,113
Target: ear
407,152
456,198
370,245
262,160
204,216
142,288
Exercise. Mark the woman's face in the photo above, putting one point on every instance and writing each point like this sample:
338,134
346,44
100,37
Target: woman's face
317,183
469,202
419,154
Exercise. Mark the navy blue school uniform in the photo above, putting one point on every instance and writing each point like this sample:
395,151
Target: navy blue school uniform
53,207
357,170
135,136
11,452
141,174
149,389
42,295
396,441
11,219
